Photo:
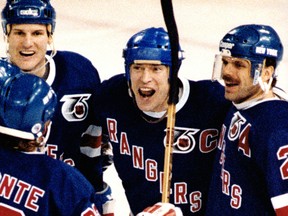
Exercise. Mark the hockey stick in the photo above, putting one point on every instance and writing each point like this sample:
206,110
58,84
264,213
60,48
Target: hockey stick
168,14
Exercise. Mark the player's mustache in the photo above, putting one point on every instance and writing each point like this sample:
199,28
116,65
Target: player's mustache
228,78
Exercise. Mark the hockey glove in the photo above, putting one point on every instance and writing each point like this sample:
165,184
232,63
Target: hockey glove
106,152
161,209
104,201
95,144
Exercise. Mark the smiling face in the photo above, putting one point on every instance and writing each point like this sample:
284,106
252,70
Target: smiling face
149,83
238,81
28,46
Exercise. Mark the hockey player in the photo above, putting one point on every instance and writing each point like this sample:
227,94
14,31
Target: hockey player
250,174
28,27
32,183
133,116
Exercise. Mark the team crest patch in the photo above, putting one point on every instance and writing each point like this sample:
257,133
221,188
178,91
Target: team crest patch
184,141
75,107
235,126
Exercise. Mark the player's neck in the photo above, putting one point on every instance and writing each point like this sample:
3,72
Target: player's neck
46,72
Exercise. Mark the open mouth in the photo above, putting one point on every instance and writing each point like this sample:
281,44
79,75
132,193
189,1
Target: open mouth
146,92
229,84
27,54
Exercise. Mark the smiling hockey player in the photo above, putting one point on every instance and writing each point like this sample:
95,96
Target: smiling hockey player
250,173
133,116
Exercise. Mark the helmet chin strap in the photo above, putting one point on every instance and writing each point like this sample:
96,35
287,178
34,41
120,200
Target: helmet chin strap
7,47
42,147
52,54
264,85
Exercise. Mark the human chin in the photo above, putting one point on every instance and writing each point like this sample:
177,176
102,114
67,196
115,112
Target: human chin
26,66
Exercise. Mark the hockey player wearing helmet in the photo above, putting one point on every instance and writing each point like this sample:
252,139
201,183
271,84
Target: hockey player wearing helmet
249,176
147,67
29,27
133,116
27,106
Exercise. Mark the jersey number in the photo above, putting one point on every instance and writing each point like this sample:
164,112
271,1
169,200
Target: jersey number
283,154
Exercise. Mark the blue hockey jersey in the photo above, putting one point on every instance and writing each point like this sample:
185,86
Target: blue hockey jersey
74,79
34,184
139,144
250,174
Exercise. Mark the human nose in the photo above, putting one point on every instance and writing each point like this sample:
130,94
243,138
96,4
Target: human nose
27,40
227,68
146,75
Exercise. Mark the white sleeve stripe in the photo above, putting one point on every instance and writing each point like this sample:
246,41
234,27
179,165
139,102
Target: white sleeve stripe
93,130
90,152
280,201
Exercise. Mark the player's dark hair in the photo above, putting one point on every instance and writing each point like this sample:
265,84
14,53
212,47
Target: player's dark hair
272,62
18,143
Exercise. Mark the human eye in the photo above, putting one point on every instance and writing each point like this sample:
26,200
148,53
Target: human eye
19,33
240,64
158,68
38,33
136,67
224,61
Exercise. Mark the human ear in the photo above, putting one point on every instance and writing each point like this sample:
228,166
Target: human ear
50,39
267,73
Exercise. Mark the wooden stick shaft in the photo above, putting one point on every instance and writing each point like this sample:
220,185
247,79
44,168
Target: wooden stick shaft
168,14
167,175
